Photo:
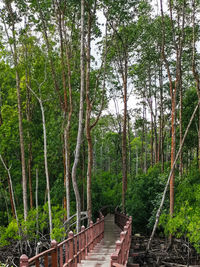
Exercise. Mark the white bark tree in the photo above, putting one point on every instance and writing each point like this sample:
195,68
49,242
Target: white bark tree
45,153
80,124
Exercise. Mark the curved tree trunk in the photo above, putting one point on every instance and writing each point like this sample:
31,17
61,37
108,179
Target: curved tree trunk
88,128
80,125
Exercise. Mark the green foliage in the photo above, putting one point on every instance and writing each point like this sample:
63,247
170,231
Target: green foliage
106,190
143,197
58,232
185,222
28,229
9,233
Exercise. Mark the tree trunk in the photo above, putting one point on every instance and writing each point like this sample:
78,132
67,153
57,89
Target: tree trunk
161,137
136,163
83,176
67,137
129,147
155,130
21,135
152,141
180,129
173,88
45,158
80,125
30,157
173,147
88,129
46,166
145,132
142,148
124,135
11,198
36,202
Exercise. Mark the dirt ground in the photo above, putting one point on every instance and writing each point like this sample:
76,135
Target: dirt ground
179,254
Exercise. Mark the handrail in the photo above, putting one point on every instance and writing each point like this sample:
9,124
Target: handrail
120,256
70,251
121,219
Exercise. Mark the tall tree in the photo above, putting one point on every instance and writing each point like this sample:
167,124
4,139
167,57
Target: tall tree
80,122
14,50
194,67
45,153
122,30
178,46
90,101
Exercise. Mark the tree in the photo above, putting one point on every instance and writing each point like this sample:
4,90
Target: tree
11,18
123,36
80,123
178,45
45,152
194,69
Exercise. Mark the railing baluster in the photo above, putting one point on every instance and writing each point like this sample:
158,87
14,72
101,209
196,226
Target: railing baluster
71,252
83,254
91,236
66,252
76,250
37,263
54,254
46,263
123,247
118,249
61,256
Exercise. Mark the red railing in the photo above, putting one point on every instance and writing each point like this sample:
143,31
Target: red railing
71,251
120,256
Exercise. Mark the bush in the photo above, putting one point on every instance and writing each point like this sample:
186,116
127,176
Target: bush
185,222
143,198
28,228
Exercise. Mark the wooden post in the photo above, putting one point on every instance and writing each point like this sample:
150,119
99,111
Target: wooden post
102,227
66,251
83,243
61,256
118,249
91,235
75,252
54,253
80,240
113,259
125,228
123,247
98,231
23,261
71,249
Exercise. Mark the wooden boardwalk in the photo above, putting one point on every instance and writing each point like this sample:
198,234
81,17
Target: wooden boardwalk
101,254
94,246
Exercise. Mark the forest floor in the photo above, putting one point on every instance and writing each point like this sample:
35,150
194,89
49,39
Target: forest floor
9,255
179,254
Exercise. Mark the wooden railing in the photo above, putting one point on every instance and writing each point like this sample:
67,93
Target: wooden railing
71,251
120,257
